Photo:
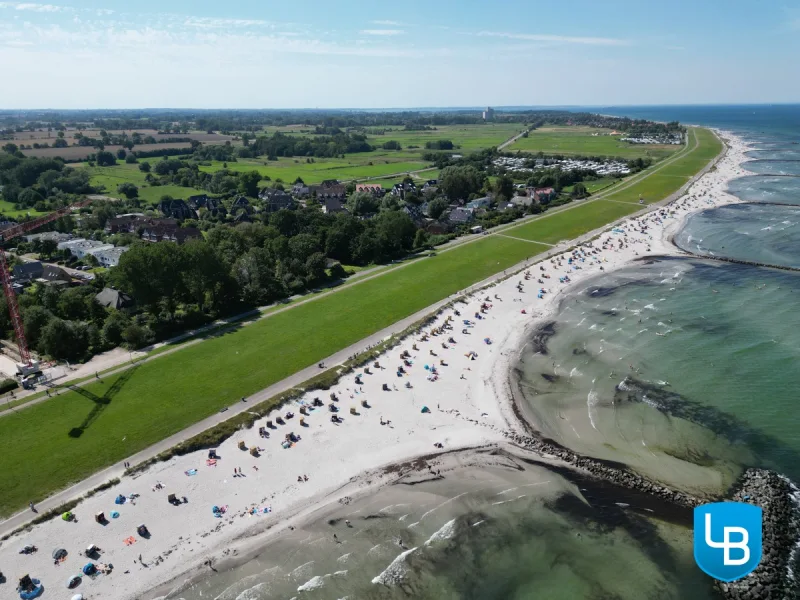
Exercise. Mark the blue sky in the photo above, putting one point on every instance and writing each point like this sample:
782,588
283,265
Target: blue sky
372,54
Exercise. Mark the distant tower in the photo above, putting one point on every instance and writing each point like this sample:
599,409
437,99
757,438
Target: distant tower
488,114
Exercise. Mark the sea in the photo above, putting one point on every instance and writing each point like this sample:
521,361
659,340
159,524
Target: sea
684,368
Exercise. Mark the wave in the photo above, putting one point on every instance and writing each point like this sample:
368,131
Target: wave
445,532
395,572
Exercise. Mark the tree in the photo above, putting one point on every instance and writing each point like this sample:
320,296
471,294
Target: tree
29,197
147,272
394,232
128,190
421,239
131,159
315,268
303,245
459,182
579,191
437,207
47,248
136,336
105,159
392,145
60,143
248,183
255,274
63,340
35,319
504,186
113,328
362,203
121,154
144,167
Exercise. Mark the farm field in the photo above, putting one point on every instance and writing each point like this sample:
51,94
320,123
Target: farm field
83,431
69,135
586,141
79,153
467,138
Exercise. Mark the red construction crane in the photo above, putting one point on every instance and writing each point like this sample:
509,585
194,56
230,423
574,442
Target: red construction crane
26,364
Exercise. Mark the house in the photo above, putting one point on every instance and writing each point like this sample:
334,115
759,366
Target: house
177,209
301,190
110,257
53,275
332,206
241,202
461,216
81,247
522,201
276,200
401,189
330,188
27,272
133,223
200,201
414,213
479,203
170,233
540,195
431,187
371,188
115,299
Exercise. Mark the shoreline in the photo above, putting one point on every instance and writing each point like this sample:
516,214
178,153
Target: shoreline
466,412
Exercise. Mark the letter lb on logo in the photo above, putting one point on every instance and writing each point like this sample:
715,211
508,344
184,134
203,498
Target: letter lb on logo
727,539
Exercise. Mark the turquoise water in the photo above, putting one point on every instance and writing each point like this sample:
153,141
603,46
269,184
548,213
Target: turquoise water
764,188
773,167
763,233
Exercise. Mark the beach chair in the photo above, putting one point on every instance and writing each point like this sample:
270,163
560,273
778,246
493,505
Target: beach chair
242,445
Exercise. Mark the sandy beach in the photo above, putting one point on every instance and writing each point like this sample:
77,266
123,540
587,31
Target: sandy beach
452,394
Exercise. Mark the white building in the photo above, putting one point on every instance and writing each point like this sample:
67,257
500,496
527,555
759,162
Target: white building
81,247
488,114
108,257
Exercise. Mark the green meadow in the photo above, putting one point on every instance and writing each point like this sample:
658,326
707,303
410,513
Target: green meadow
587,141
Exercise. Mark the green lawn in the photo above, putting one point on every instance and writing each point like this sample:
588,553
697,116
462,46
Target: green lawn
355,166
586,141
572,222
468,138
7,210
166,395
110,177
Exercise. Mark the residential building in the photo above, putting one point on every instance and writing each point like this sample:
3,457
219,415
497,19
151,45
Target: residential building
479,203
332,205
54,236
542,194
276,200
37,271
414,212
461,216
109,257
372,188
81,247
488,114
241,202
330,188
170,233
301,190
177,209
401,189
111,298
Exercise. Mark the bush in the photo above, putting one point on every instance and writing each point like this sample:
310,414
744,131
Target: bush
6,385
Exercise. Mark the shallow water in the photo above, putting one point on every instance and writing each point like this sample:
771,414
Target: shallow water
521,532
773,167
765,188
763,233
676,366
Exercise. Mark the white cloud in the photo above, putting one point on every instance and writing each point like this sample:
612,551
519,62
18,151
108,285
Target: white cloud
563,39
390,23
213,23
383,32
42,8
104,12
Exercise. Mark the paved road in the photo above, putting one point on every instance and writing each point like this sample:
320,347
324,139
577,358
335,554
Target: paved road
117,470
512,140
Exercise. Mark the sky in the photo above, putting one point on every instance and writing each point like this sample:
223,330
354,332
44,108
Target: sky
379,54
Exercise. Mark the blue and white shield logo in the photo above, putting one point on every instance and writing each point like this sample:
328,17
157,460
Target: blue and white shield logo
727,539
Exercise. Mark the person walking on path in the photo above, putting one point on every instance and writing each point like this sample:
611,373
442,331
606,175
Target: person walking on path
33,508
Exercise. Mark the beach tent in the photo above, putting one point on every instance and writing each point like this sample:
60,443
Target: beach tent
425,409
120,499
100,517
114,514
67,516
89,569
59,553
74,582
